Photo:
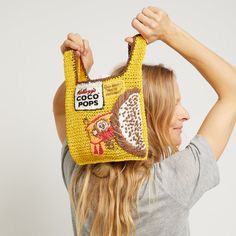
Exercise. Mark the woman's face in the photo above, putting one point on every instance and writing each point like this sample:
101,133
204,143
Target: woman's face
180,115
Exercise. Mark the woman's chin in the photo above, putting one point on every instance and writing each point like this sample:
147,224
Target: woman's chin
176,139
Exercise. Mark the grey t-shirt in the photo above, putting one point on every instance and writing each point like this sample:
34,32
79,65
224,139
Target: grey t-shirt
176,184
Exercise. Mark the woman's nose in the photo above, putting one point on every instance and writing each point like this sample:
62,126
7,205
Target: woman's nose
184,114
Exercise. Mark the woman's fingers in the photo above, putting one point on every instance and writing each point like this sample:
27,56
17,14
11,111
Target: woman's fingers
154,9
152,23
76,38
82,48
68,45
150,13
86,46
129,40
146,20
140,27
75,42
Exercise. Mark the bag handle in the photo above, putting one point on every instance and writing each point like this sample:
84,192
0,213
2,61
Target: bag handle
136,52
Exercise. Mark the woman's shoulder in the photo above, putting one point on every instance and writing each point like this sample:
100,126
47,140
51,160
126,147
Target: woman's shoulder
190,172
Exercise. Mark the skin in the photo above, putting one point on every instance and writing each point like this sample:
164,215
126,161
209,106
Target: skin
180,115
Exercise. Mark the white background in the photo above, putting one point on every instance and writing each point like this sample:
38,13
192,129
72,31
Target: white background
33,198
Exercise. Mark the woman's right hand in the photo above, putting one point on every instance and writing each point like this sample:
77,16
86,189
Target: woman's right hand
153,24
81,47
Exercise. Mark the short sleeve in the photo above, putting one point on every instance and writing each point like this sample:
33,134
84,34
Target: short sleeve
67,164
189,173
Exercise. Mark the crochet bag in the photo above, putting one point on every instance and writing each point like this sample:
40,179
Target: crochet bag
105,118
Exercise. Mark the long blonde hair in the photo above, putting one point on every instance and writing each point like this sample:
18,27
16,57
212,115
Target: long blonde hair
105,196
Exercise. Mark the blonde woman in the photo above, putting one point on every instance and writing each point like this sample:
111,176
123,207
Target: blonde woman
153,197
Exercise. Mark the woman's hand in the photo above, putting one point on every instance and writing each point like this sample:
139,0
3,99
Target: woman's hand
153,24
81,47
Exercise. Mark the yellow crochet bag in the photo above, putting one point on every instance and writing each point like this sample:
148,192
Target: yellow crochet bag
105,118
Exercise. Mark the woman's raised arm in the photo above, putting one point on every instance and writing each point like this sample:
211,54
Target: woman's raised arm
83,50
154,24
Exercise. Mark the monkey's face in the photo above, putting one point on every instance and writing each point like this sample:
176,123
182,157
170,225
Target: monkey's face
102,125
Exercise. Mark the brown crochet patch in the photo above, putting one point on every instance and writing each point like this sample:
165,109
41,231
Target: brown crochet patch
126,121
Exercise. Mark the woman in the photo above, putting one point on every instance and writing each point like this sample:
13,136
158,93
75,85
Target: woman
153,197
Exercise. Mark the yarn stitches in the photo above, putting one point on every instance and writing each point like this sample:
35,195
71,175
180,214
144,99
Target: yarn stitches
105,118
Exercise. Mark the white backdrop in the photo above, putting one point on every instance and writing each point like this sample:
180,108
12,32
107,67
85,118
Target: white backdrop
34,200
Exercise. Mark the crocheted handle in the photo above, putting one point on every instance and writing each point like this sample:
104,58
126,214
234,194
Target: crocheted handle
136,53
81,73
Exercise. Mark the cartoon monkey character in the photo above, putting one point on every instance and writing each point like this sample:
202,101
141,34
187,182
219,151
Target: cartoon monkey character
104,131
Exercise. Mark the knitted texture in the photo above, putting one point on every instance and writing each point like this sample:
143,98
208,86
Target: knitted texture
105,118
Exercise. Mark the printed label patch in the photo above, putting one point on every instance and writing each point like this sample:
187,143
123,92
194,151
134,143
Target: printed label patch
89,96
116,88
